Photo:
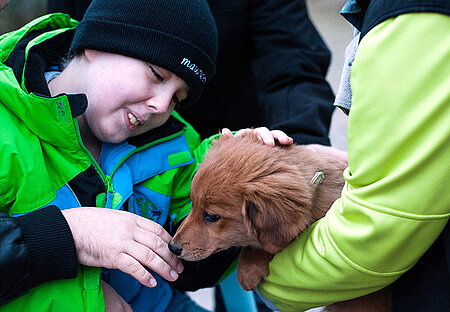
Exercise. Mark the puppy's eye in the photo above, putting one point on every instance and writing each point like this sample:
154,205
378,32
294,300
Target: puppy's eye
209,217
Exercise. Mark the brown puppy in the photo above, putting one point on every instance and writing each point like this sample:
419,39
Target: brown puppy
255,196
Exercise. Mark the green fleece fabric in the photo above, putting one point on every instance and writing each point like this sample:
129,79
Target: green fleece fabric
396,201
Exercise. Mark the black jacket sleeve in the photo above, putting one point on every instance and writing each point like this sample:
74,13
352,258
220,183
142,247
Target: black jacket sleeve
34,248
290,61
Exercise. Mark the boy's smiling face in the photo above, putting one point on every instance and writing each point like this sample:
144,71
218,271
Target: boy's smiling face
127,96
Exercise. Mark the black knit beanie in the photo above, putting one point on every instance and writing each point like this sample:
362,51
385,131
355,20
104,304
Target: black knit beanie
178,35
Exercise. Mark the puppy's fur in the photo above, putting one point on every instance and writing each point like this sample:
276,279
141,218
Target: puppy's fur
255,196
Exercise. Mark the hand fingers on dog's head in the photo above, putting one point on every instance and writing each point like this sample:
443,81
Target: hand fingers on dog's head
242,132
226,132
265,136
282,137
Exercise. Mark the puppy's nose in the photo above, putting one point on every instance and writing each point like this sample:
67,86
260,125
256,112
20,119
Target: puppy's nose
175,249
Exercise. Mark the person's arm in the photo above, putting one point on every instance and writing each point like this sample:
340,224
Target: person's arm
290,61
395,202
34,248
39,247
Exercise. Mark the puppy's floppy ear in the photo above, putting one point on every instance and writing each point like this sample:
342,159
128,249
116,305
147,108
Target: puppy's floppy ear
271,223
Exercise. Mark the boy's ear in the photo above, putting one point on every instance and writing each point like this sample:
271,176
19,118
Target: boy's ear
90,54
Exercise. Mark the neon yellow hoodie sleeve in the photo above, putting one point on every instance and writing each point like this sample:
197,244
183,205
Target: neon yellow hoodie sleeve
396,199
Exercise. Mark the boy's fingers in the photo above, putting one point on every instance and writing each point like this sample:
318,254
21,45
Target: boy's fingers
152,260
128,264
153,227
155,244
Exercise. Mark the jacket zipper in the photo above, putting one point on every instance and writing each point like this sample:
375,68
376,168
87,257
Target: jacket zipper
109,192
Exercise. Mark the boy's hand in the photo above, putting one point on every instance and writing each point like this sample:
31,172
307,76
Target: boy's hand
121,240
268,137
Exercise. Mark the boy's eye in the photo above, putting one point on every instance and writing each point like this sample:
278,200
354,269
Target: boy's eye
209,217
157,75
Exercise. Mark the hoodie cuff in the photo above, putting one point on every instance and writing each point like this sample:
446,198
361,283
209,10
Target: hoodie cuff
50,245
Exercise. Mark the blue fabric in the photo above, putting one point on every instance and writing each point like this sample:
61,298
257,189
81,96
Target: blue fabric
144,202
140,297
139,167
65,199
183,303
149,204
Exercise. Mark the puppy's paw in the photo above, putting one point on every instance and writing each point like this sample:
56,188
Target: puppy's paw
253,267
249,280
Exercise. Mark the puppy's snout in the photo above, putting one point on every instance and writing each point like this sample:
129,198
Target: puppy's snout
175,249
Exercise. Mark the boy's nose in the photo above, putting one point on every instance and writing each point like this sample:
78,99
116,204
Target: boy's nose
160,104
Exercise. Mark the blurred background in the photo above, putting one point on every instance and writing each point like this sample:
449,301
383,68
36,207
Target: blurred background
336,32
19,12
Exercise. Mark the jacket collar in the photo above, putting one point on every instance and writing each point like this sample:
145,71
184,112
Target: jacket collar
25,55
353,13
39,48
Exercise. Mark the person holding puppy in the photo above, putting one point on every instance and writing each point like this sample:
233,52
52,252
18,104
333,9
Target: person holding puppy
390,225
99,130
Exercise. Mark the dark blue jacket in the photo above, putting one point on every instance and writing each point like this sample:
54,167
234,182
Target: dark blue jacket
271,68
